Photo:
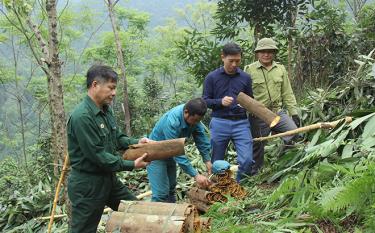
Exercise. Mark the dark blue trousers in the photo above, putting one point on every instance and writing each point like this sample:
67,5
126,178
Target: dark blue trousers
224,130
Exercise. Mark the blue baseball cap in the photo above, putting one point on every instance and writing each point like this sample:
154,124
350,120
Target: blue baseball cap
220,166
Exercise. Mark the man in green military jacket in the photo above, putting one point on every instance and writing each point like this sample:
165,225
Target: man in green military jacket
271,86
93,142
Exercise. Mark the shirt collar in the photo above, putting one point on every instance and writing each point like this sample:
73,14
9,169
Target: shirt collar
259,65
223,71
93,106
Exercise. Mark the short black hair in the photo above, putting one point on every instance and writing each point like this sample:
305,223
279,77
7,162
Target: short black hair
196,106
100,73
231,49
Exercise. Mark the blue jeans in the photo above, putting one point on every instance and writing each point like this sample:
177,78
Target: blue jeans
162,177
224,130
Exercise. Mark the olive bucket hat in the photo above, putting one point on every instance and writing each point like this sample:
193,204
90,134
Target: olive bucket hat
266,43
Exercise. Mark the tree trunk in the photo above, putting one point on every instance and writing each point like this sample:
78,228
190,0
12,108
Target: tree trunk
55,92
18,96
293,13
121,64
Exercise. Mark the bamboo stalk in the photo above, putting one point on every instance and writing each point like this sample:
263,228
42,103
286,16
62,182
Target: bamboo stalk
321,125
61,180
49,217
156,150
142,195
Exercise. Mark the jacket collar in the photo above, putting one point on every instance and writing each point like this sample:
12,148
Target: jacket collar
93,106
259,65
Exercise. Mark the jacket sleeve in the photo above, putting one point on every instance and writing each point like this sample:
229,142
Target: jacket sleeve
202,143
208,93
171,131
93,148
249,88
289,100
124,141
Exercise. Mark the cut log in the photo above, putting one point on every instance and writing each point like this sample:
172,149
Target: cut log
185,212
258,109
159,208
156,150
143,223
321,125
205,196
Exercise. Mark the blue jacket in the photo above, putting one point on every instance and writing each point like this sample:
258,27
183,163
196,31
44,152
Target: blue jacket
173,125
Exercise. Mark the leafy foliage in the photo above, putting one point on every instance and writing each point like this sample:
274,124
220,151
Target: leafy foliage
259,15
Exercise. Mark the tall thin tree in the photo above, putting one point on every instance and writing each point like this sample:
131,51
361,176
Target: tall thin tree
120,63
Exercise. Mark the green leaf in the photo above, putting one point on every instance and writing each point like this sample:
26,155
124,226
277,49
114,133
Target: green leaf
359,121
369,129
347,151
315,139
369,142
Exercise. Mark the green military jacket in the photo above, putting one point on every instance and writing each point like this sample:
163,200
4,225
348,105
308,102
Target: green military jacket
94,140
272,87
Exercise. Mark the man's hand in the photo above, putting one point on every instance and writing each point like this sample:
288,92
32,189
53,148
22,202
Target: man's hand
209,167
226,101
144,140
140,162
296,120
202,181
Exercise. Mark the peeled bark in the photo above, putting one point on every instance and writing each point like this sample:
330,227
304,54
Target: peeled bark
206,224
200,205
205,196
258,109
156,150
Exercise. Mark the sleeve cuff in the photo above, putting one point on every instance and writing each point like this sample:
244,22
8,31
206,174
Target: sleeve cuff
133,141
206,158
193,173
127,165
292,112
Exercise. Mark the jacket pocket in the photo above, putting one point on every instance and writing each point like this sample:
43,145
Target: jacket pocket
278,82
258,86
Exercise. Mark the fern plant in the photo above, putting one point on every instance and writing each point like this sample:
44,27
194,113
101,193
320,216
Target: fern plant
357,193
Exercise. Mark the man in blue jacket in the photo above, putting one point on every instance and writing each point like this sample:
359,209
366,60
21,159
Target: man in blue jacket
229,120
180,121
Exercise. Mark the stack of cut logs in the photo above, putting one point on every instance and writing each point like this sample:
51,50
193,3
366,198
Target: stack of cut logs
223,184
154,217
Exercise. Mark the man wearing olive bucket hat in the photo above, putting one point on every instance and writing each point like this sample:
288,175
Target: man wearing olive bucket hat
271,86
